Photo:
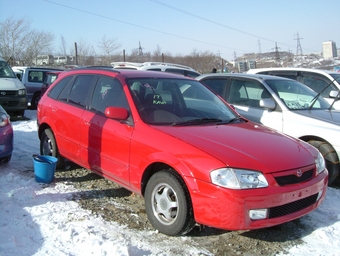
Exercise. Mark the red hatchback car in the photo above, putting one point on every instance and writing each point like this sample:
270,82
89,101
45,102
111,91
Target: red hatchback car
190,155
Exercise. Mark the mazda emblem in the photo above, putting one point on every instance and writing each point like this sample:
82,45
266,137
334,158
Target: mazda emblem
299,173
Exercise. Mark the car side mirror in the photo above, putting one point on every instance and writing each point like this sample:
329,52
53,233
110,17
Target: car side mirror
117,113
334,94
268,104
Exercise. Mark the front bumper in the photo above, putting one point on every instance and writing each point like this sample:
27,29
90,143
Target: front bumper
230,209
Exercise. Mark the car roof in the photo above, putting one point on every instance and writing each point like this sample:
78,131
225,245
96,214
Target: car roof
124,72
319,71
149,64
259,77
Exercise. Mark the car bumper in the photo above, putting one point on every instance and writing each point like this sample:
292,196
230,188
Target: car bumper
14,104
230,209
6,141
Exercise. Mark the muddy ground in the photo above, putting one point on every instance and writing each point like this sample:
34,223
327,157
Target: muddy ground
114,203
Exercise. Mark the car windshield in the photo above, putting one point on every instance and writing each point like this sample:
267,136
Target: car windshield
6,71
297,96
178,102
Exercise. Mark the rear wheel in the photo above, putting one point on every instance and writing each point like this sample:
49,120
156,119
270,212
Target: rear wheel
168,204
331,158
35,100
48,146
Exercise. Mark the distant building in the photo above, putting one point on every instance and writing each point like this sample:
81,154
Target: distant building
244,66
329,50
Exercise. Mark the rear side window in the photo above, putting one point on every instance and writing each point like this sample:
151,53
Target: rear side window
318,83
175,71
59,87
80,89
36,76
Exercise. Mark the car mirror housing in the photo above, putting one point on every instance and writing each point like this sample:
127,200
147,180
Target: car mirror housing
334,94
117,113
268,104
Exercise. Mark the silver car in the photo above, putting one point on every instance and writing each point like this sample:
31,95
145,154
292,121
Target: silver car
284,105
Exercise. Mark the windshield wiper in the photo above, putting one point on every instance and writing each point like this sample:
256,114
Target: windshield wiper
236,119
198,121
318,95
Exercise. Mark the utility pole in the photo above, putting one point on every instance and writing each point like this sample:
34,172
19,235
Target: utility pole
259,44
140,50
277,55
298,46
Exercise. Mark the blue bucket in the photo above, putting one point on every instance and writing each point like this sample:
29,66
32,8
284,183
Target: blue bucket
44,168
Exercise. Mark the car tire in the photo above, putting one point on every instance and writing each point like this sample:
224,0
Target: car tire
48,146
331,158
5,160
168,204
35,100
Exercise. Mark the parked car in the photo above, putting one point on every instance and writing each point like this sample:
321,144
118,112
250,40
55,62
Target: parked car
51,76
158,66
321,81
284,105
6,137
191,156
12,92
33,78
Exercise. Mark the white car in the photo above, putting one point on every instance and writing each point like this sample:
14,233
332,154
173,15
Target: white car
284,105
158,66
321,81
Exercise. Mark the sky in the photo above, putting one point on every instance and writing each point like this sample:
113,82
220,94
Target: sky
228,28
40,219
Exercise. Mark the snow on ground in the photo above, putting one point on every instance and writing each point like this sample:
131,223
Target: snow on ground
39,219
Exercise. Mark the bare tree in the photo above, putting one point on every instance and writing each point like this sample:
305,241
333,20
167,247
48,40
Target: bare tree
63,45
85,53
14,36
19,41
108,47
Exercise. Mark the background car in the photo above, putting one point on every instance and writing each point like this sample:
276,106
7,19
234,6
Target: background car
33,78
6,137
321,81
172,140
158,66
49,79
284,105
12,92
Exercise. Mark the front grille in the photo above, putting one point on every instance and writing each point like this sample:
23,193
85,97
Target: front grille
293,179
285,209
8,93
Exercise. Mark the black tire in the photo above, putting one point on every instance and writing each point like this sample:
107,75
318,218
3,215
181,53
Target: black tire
331,159
48,147
35,100
168,204
5,159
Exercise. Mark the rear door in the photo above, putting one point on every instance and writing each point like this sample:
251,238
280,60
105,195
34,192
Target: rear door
67,113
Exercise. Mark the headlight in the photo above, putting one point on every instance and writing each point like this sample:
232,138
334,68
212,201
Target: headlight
22,92
4,120
320,163
238,178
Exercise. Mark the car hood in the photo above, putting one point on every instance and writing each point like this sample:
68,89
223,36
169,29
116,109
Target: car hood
11,84
329,116
246,145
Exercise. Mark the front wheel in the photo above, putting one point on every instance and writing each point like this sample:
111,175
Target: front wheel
168,204
48,146
331,158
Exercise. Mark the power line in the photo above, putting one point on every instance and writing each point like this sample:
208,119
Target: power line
139,26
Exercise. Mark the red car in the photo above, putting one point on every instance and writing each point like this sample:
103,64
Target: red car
172,140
